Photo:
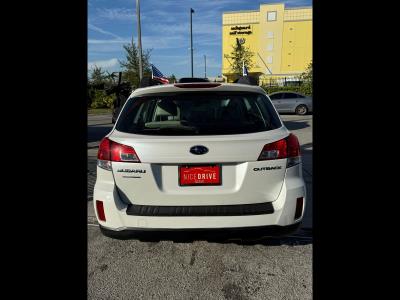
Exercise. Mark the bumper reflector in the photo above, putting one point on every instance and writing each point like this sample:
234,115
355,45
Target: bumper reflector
100,210
299,207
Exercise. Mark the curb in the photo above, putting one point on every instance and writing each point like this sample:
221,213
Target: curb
93,145
102,114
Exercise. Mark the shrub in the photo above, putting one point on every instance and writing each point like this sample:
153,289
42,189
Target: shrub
273,89
305,86
102,100
305,89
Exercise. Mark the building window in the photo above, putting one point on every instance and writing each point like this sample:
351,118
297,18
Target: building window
270,34
270,46
269,59
271,16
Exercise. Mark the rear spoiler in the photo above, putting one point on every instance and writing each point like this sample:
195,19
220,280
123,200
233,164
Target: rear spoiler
148,81
192,79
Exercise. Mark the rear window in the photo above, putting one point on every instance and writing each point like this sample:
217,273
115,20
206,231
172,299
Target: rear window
202,113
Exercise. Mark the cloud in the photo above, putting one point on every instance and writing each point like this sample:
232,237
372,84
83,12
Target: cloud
206,28
163,42
116,14
113,41
104,64
148,42
100,30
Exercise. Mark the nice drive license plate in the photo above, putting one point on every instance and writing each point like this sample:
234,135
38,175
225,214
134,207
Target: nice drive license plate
200,175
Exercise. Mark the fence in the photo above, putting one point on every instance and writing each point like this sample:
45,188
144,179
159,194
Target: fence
281,81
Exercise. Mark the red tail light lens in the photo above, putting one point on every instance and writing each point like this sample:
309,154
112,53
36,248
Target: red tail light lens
275,150
104,150
288,147
123,153
100,210
293,146
113,151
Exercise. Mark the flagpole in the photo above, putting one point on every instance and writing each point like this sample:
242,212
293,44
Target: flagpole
139,40
205,66
191,39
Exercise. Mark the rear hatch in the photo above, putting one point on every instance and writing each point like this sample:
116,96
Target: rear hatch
230,128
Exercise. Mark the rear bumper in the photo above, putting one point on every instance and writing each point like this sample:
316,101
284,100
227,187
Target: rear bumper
284,207
200,233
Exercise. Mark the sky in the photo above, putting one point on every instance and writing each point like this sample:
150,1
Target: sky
165,30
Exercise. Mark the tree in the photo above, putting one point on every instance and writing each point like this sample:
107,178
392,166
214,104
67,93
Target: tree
110,78
172,78
307,75
97,76
96,82
307,78
131,64
239,55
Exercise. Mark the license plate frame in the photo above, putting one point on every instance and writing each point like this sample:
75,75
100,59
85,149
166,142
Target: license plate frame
191,166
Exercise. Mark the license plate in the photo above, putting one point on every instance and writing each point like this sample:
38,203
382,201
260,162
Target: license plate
200,175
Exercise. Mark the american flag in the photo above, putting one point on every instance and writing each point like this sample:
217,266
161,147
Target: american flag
157,75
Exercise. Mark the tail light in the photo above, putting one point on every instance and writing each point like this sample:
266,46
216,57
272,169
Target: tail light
112,151
288,147
100,210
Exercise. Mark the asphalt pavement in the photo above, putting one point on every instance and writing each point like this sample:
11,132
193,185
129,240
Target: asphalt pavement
201,269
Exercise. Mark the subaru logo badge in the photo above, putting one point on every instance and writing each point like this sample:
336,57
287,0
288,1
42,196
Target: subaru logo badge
198,150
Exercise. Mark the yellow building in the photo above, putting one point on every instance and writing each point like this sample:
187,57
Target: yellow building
280,39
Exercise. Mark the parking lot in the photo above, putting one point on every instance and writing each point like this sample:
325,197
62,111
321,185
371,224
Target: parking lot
201,269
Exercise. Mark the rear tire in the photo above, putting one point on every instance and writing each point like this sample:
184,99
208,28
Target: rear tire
301,110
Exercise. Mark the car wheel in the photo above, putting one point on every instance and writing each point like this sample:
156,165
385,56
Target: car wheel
301,110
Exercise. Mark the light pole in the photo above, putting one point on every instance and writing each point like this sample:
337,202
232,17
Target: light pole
139,40
205,66
191,39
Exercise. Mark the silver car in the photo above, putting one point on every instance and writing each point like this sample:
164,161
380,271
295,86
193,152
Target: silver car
290,102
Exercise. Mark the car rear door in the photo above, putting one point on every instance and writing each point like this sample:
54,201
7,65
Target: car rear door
241,178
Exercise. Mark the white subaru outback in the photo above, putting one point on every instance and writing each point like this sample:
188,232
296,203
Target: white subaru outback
198,156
